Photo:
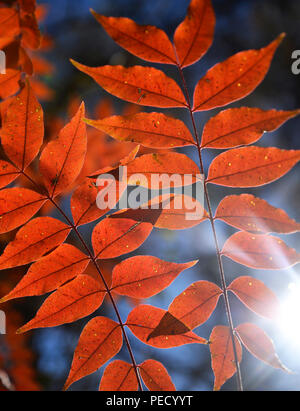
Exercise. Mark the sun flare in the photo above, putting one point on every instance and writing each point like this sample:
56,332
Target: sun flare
289,321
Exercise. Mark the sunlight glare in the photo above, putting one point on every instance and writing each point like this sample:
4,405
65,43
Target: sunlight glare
289,318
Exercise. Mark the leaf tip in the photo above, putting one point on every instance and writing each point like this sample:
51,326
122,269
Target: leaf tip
94,13
193,263
81,110
75,64
281,37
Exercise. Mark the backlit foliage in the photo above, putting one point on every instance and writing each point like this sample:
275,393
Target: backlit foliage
43,172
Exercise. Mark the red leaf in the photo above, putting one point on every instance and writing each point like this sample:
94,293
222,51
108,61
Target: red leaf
256,296
100,340
260,251
83,204
222,355
189,309
259,344
154,130
168,211
18,205
224,131
33,240
112,168
72,301
28,5
155,376
31,36
23,128
51,271
119,376
9,83
251,166
143,319
179,212
196,303
144,276
8,173
25,62
169,169
194,35
234,78
113,237
140,85
62,159
147,42
253,214
4,106
9,22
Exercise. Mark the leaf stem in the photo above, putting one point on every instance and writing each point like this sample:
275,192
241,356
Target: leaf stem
93,259
211,218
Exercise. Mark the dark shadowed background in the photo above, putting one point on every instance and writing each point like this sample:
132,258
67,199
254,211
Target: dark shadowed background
241,24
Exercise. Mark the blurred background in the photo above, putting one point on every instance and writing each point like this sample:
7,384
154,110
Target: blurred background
241,24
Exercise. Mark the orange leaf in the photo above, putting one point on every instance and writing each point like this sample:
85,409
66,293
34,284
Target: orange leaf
119,376
224,131
147,42
23,128
155,376
144,319
9,83
168,211
8,173
189,309
25,62
260,251
259,344
100,340
31,36
62,159
179,212
51,271
17,206
170,170
256,296
9,22
4,106
141,85
154,130
83,204
222,355
70,302
251,166
28,5
33,240
196,303
113,237
253,214
144,276
113,167
234,78
194,35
